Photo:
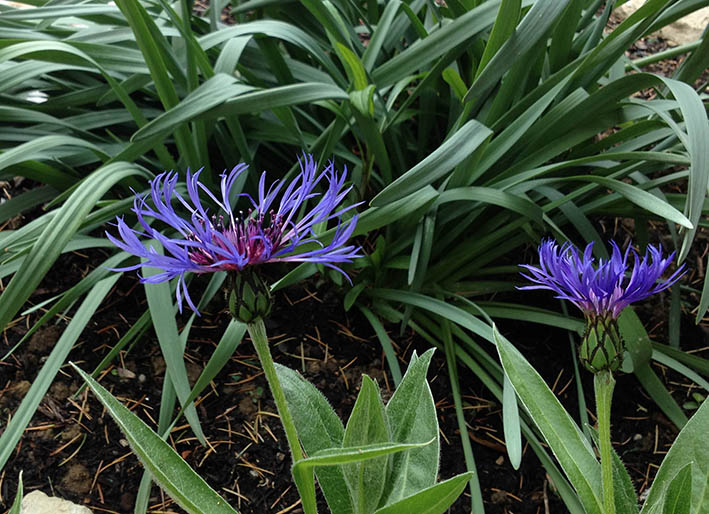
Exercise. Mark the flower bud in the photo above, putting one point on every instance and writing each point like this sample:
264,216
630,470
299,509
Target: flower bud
249,296
602,346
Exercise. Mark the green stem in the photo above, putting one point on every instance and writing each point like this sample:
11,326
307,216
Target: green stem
306,488
603,383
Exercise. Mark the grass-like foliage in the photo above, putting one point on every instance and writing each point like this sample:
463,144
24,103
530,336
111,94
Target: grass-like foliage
469,128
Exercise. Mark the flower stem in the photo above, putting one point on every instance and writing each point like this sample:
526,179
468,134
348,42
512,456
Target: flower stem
603,383
257,331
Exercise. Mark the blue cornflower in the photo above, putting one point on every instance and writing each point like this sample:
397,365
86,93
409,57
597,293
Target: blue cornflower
237,241
601,290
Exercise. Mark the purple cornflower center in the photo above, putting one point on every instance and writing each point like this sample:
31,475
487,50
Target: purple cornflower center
254,235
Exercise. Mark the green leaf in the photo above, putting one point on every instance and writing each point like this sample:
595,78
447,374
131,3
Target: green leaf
690,447
362,100
436,44
318,429
531,30
17,504
40,148
162,312
282,96
56,359
377,217
504,27
489,195
367,425
565,439
510,421
225,349
679,490
57,234
25,201
432,500
352,454
446,157
173,474
444,309
642,199
384,341
626,499
353,66
638,344
211,93
411,414
635,337
374,47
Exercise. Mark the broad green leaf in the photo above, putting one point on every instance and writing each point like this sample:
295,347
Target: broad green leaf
565,439
168,469
635,337
493,196
40,148
412,417
211,93
281,30
432,500
444,309
282,96
690,447
671,363
352,454
56,359
642,199
678,492
59,11
507,310
353,66
318,429
153,46
502,30
451,153
367,425
510,420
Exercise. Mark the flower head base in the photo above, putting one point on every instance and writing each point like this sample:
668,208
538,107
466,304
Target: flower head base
249,296
233,241
601,290
602,345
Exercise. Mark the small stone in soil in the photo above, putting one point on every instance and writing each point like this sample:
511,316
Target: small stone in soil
37,502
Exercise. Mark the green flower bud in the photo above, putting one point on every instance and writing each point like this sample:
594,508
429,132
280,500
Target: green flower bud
602,346
249,296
